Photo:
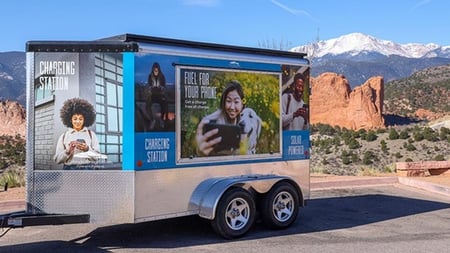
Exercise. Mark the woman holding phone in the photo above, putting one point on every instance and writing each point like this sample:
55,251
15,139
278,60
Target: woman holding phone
231,106
77,114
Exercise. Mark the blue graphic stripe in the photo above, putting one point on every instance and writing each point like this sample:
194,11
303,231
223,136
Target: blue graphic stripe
128,111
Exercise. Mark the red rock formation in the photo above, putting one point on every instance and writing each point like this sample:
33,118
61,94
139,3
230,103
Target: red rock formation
12,118
428,115
333,102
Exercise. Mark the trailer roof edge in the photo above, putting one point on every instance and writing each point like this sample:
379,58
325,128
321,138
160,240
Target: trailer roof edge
81,46
127,37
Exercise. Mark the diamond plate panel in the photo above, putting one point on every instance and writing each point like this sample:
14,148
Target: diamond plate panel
108,196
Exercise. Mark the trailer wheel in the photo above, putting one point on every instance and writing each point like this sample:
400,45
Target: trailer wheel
235,213
279,207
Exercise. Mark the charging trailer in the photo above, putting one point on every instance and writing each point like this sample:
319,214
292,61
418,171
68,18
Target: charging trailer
148,167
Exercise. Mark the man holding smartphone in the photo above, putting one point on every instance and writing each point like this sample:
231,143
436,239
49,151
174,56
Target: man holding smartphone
295,112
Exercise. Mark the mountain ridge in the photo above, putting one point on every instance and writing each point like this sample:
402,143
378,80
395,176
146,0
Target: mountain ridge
354,44
359,56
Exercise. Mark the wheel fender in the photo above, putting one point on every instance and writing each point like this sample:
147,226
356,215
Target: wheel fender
206,196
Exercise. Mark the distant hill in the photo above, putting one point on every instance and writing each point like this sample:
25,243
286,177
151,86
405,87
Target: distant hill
428,90
389,67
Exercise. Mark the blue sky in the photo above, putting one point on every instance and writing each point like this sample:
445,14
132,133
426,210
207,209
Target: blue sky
253,23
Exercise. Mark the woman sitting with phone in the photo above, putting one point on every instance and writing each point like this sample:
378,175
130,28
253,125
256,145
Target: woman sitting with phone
78,145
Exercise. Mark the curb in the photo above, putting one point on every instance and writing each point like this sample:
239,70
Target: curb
353,183
431,187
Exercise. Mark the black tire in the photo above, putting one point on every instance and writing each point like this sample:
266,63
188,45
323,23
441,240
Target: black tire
235,213
279,207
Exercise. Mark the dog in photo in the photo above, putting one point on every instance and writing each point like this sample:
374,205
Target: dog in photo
250,124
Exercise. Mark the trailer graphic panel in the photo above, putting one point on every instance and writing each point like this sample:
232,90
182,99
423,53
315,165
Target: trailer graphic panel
200,111
231,107
78,110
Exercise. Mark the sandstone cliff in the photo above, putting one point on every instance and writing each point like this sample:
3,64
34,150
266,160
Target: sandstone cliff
12,118
333,102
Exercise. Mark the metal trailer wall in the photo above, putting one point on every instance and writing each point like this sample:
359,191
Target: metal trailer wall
155,200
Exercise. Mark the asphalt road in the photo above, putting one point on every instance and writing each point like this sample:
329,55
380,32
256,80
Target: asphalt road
389,218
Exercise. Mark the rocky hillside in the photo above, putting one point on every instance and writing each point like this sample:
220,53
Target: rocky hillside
345,152
423,95
12,118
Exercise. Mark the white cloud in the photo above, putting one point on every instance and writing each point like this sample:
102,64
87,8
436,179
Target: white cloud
290,10
420,4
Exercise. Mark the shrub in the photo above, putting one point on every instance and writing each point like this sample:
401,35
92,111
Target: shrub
371,136
384,147
404,135
353,144
324,129
336,141
14,178
418,136
393,134
439,157
410,147
388,169
430,135
368,157
346,160
381,131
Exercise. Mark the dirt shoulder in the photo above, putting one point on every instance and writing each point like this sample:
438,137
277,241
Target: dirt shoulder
16,193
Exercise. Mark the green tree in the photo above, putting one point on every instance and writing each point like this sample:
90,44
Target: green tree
393,134
418,136
430,135
444,133
346,160
384,147
368,157
410,147
404,135
353,144
336,141
371,136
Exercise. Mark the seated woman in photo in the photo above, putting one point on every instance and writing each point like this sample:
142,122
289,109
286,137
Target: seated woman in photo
78,145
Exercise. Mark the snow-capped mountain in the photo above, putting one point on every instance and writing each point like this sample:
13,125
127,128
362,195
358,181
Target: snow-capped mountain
359,56
357,44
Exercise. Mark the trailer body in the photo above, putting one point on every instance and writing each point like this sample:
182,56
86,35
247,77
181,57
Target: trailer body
149,167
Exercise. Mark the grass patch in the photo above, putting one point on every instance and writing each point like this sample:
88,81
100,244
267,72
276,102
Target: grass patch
13,178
